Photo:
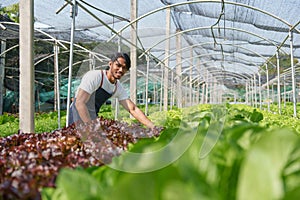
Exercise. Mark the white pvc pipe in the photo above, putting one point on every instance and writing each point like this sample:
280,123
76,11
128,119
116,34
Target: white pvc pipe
293,74
73,15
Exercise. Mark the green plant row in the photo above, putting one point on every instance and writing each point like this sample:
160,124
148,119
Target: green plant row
44,122
235,152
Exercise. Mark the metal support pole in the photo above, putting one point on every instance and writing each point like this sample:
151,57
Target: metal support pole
221,93
278,83
293,74
273,95
251,88
167,53
179,71
191,95
56,82
26,67
91,61
73,16
2,73
251,91
214,88
247,93
172,90
203,93
268,88
147,83
255,90
191,79
154,93
117,105
197,93
260,96
284,91
198,84
211,89
161,87
166,87
206,91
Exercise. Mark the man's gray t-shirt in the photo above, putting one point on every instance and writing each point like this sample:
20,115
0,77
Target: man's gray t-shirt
90,83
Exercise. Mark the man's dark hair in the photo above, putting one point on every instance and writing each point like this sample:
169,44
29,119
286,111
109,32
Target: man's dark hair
122,55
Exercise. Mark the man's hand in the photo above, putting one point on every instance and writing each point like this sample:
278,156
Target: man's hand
136,113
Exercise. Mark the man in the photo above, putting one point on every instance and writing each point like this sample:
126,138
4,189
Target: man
97,86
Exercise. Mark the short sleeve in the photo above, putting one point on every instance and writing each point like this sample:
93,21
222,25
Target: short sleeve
90,81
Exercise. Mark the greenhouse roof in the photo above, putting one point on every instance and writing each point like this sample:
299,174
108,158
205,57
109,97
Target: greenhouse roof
227,39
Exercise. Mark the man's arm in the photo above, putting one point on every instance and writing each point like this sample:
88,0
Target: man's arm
81,100
136,112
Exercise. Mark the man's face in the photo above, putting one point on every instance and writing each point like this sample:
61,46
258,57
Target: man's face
118,68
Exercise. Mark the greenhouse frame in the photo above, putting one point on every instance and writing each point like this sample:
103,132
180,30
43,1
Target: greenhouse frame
183,52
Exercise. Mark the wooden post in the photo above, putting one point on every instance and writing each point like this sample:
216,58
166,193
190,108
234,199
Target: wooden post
166,63
133,51
26,67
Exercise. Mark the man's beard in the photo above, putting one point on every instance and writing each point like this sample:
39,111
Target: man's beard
117,75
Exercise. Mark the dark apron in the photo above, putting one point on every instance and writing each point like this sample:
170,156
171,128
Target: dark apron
98,98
